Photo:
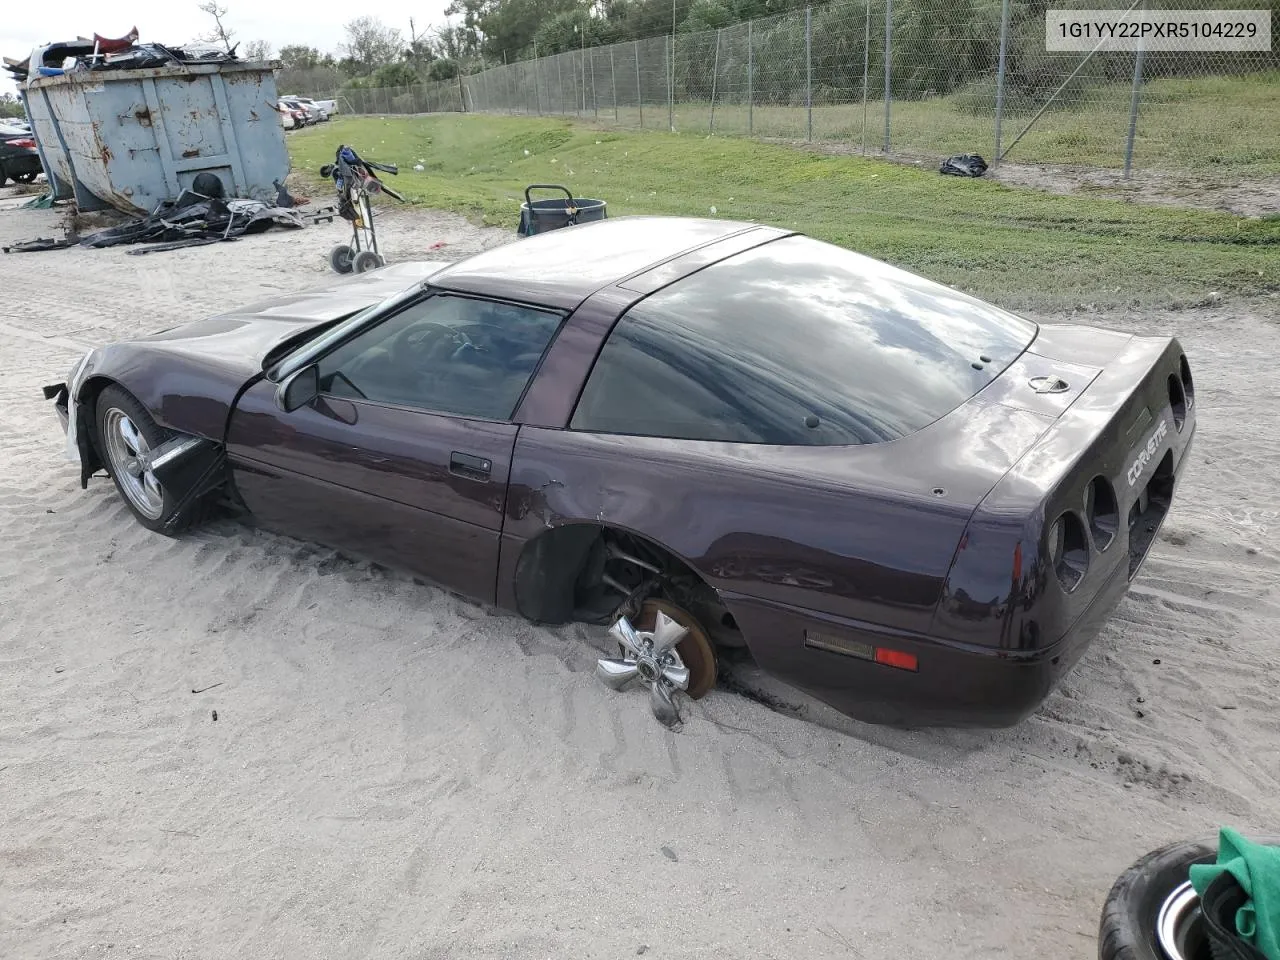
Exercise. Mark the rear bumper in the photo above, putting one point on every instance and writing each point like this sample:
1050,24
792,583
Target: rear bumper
955,685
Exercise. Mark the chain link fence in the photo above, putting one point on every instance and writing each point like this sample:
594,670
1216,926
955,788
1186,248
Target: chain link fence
925,78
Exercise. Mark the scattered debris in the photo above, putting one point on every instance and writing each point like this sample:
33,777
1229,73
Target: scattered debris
102,53
215,716
964,165
41,243
194,219
670,854
204,689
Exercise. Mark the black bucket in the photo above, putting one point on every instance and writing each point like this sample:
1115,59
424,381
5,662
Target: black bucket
539,216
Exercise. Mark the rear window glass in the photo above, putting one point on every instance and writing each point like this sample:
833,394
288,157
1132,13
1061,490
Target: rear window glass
796,342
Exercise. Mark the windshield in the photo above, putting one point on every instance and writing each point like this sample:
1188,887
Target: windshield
309,351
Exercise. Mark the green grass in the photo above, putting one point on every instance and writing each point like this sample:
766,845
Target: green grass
1020,248
1215,126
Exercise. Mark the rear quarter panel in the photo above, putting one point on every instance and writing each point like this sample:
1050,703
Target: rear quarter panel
1002,584
854,532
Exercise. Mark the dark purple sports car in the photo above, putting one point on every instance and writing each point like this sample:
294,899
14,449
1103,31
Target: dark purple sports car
723,440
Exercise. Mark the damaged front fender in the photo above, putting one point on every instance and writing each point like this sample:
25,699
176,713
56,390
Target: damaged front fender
75,423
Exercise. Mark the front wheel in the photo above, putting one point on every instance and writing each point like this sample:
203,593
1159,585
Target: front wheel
127,435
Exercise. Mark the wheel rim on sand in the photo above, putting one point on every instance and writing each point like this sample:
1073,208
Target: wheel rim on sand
129,453
1178,926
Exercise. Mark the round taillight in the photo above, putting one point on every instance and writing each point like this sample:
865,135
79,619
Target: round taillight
1069,550
1102,512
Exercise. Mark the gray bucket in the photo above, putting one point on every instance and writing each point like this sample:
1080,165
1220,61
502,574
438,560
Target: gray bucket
539,216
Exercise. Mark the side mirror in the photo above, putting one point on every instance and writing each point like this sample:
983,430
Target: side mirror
298,389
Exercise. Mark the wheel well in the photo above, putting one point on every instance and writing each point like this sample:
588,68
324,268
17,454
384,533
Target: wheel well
590,573
204,470
88,402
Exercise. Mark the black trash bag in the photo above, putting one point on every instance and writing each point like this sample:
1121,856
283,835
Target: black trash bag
1222,898
963,165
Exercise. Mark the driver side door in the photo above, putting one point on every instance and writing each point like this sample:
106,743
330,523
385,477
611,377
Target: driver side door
404,455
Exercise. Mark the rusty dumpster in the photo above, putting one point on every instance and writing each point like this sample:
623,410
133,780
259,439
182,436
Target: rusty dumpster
130,139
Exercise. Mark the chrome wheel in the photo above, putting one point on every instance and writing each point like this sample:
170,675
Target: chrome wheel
650,657
130,457
1178,927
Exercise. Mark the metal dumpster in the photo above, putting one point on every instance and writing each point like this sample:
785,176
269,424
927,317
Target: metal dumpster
130,139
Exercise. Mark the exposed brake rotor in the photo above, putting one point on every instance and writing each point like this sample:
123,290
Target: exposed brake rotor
651,651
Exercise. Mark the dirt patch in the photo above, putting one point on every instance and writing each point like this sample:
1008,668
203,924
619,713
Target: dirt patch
1255,197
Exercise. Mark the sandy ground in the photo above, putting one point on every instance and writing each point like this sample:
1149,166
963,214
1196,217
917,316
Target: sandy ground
396,773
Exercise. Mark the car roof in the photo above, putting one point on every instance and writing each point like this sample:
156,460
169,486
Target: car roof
561,268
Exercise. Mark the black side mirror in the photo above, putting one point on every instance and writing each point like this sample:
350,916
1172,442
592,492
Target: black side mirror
298,389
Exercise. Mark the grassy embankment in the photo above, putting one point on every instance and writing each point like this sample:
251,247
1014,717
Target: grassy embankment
1020,248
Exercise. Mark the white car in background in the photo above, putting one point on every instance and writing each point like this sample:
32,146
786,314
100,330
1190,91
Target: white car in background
315,112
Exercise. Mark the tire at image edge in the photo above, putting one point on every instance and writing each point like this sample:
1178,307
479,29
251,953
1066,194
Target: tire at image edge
1127,930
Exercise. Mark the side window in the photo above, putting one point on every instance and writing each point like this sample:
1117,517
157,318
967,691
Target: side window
445,354
654,379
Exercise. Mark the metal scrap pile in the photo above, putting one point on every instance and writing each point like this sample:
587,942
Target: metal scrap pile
193,220
104,53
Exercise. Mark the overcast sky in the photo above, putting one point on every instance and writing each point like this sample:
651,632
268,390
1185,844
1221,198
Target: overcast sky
174,22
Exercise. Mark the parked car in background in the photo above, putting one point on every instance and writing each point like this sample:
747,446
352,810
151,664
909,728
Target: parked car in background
313,113
292,116
19,159
314,108
330,107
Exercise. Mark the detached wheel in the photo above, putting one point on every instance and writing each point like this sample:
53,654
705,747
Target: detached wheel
695,650
367,260
1152,912
126,437
340,258
25,177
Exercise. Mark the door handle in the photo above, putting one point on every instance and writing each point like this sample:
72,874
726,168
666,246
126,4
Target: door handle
471,467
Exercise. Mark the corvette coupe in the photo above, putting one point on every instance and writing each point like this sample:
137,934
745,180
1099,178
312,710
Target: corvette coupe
718,439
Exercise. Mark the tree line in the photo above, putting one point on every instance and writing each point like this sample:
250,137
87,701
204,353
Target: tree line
939,46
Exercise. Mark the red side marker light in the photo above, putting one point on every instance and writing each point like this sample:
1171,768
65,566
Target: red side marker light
896,658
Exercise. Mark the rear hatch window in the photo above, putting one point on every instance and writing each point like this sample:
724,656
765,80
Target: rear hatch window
797,342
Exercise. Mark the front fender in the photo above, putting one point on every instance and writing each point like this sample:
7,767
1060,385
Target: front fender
182,393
